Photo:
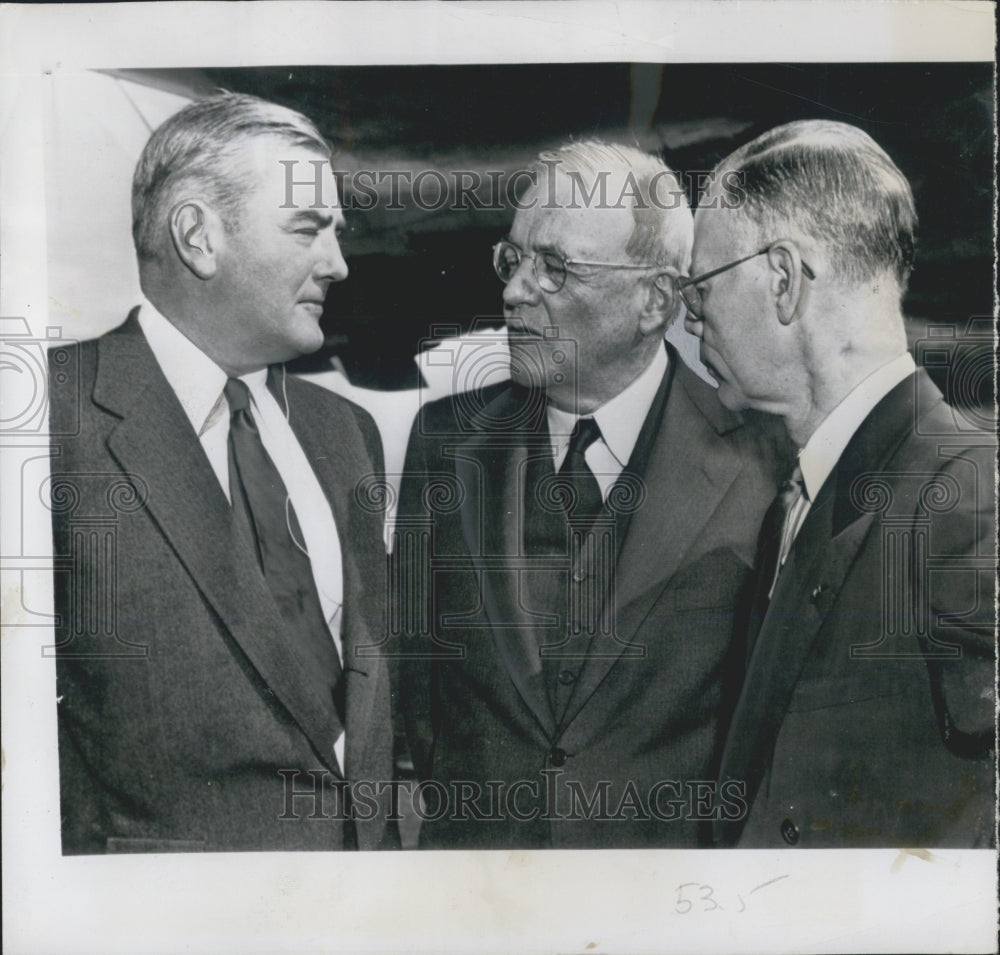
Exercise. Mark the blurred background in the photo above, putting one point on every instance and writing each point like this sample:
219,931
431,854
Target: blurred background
420,267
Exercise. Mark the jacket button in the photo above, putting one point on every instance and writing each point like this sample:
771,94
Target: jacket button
789,832
557,756
817,593
566,677
579,575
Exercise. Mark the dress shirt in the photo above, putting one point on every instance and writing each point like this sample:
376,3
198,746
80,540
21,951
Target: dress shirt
620,420
827,443
198,383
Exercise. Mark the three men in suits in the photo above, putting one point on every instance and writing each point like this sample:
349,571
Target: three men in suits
218,581
866,716
572,547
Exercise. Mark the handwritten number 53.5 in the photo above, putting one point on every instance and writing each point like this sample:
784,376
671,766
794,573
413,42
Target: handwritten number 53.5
704,901
699,897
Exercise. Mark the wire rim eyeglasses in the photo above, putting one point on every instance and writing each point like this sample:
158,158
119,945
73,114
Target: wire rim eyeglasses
687,288
549,268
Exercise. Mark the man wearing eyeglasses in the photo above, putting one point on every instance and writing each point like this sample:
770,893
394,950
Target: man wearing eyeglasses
573,545
866,716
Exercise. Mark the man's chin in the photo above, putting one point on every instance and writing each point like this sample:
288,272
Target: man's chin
306,343
730,397
309,337
532,365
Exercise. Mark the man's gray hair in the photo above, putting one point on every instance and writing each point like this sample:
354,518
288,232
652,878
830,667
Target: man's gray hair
200,150
664,229
833,182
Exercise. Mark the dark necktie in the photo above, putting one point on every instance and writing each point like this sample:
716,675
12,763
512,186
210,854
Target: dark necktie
261,506
769,549
575,474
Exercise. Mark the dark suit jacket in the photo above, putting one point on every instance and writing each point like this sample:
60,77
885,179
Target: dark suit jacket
866,717
186,716
641,721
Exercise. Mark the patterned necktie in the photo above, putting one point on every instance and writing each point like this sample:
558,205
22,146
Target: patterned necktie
263,509
576,476
774,540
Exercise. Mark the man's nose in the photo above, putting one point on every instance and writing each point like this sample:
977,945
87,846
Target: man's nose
522,289
331,265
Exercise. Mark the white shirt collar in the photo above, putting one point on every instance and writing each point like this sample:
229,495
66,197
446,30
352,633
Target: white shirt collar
827,443
195,378
621,418
197,381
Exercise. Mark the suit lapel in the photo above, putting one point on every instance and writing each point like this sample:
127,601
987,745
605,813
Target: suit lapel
491,471
806,592
686,472
154,440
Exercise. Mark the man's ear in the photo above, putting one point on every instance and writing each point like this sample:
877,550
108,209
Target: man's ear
196,232
786,280
662,303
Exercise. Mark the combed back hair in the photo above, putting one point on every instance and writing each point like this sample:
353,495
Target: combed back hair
833,182
201,150
664,227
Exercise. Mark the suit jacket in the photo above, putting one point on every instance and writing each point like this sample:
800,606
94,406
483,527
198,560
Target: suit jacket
867,713
627,760
187,719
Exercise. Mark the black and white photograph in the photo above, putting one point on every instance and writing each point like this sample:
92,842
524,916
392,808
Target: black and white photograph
424,456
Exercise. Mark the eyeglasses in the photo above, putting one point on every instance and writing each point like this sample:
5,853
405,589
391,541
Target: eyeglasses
688,287
549,268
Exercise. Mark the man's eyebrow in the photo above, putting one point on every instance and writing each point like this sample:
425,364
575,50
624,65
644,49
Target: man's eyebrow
313,215
537,246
